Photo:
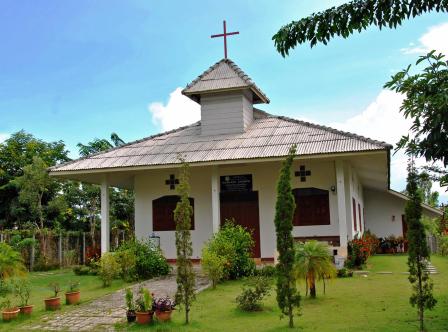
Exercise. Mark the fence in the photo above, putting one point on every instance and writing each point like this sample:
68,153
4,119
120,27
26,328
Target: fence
43,250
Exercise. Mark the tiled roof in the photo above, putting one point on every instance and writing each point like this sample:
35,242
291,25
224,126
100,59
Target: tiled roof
268,136
223,75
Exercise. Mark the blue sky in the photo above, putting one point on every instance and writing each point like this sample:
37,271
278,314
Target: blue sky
75,70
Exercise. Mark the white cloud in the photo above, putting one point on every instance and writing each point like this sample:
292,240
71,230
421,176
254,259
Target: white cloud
434,39
3,137
382,120
178,111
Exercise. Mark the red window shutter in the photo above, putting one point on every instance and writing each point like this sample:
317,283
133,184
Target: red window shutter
360,217
355,223
312,207
163,213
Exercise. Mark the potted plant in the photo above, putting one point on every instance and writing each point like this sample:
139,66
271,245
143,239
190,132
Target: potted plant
9,310
143,306
23,290
54,302
130,313
164,306
73,295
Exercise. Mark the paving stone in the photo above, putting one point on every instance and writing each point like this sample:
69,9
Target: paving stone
103,313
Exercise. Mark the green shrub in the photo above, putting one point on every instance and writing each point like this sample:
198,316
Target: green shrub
127,260
149,261
109,268
442,245
268,271
81,270
212,265
143,303
234,243
11,262
22,288
253,293
344,273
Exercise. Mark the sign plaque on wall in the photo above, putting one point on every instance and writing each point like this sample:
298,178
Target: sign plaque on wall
236,183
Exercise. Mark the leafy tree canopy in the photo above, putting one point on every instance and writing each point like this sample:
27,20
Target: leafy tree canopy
354,16
98,145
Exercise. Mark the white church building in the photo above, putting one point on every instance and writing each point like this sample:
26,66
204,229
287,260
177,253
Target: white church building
341,181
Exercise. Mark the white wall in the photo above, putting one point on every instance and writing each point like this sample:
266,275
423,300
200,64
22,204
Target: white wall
380,206
151,185
356,192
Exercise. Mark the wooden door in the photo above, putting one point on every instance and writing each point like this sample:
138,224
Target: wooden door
243,207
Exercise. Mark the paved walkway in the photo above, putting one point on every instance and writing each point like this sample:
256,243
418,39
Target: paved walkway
103,313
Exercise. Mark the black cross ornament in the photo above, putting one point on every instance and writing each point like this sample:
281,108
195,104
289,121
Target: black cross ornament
172,181
302,173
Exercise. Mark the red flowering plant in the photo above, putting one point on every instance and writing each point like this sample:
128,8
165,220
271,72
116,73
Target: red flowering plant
93,254
360,249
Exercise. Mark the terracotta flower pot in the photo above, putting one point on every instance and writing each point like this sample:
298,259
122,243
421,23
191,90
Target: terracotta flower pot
144,317
163,316
53,303
72,297
26,310
10,314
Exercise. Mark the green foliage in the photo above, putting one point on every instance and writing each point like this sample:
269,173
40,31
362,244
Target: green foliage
128,264
129,298
442,245
143,303
234,243
418,251
288,298
73,286
109,268
11,263
426,104
81,270
253,292
213,265
345,19
266,271
22,288
182,215
344,273
55,288
149,261
313,262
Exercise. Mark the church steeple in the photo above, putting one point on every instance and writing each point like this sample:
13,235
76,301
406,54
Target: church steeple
226,95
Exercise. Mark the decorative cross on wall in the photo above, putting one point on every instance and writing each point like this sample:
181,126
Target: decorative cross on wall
302,173
172,181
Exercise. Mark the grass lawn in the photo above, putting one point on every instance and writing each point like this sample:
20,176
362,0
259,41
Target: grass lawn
372,303
90,286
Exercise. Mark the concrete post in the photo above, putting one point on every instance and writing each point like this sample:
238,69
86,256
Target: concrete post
216,215
342,212
105,222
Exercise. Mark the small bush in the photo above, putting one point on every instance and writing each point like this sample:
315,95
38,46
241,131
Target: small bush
234,243
268,271
253,293
212,265
344,273
149,261
127,261
81,270
109,269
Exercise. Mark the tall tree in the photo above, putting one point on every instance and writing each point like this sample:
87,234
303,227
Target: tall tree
426,104
98,145
288,297
182,216
353,16
418,252
15,153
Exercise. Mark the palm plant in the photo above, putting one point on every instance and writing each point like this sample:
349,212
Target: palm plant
11,263
313,262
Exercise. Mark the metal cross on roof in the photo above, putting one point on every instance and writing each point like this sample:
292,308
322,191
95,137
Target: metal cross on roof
225,34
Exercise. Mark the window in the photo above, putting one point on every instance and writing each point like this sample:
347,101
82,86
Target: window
312,207
355,223
163,213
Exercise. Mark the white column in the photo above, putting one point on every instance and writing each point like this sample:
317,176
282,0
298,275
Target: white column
215,200
342,211
105,223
